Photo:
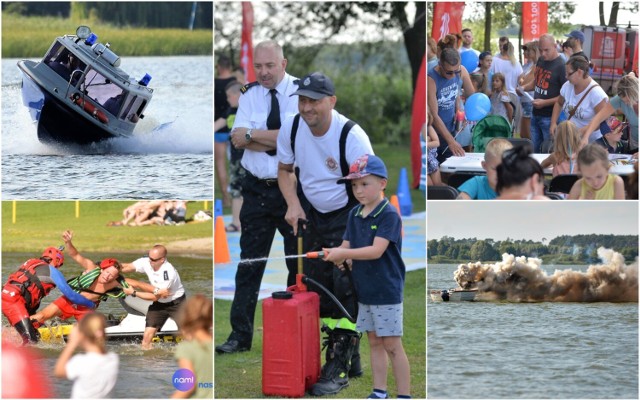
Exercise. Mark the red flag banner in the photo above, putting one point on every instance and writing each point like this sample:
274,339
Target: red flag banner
447,18
246,48
418,118
534,20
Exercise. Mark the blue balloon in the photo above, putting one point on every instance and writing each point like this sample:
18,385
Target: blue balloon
470,60
477,106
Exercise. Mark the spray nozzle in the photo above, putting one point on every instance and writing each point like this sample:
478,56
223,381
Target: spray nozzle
315,254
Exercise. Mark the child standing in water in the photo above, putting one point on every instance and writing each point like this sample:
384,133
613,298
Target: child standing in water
372,241
596,182
95,372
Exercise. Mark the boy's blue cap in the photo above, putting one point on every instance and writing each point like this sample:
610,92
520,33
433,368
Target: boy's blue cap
367,164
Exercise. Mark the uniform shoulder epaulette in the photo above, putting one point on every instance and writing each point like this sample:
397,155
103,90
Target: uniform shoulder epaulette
248,86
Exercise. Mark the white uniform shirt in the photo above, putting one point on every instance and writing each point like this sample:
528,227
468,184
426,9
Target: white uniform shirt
94,375
319,159
165,277
253,109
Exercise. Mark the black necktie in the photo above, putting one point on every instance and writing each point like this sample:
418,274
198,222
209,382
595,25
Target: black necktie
273,120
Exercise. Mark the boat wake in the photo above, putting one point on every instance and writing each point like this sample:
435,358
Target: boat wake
521,279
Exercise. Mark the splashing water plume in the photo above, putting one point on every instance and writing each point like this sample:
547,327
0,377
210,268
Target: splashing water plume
521,279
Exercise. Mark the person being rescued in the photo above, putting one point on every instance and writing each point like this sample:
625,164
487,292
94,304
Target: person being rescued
25,289
98,282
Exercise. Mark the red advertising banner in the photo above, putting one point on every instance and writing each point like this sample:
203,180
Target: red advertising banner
534,20
418,119
246,47
447,18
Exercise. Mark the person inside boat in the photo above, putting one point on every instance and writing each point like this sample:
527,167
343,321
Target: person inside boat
65,68
113,103
25,288
99,282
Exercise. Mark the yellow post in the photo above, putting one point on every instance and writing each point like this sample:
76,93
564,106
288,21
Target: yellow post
206,204
77,208
13,215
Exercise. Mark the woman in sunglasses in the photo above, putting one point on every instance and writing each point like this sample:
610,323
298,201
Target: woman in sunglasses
584,102
445,85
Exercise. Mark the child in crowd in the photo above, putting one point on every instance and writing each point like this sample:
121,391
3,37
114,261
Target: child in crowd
373,241
433,166
195,352
566,146
596,182
483,187
95,372
611,139
520,177
500,102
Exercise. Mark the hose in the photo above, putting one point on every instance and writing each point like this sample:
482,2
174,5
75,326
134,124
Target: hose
307,280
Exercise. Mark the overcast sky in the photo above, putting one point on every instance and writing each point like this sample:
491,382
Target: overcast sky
529,219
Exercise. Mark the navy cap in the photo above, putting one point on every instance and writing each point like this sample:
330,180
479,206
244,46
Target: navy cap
577,34
367,164
315,86
611,124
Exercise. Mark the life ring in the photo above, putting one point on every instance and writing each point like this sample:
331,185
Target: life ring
67,291
90,108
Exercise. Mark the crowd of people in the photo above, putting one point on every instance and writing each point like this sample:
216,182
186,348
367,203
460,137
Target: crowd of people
554,87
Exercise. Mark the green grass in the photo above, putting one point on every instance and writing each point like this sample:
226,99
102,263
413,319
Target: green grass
395,158
240,375
39,224
31,37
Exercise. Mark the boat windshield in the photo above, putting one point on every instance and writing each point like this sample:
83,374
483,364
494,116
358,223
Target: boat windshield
64,62
103,91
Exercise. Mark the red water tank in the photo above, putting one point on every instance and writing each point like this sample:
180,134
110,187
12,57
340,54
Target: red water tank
291,343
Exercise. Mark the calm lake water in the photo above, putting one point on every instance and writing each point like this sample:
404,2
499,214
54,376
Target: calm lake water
173,162
529,350
143,374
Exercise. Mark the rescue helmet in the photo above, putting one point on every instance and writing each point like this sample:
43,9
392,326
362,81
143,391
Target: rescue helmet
110,262
55,255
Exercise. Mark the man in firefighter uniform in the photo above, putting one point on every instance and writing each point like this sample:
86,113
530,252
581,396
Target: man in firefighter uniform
323,143
25,288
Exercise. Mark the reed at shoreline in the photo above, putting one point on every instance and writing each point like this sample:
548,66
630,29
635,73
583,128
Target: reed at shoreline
30,37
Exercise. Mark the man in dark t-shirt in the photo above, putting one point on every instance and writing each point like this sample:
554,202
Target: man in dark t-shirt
550,75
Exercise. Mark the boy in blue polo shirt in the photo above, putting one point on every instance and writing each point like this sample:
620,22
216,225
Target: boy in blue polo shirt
372,242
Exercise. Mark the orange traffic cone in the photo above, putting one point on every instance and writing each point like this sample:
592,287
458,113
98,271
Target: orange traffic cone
221,246
394,202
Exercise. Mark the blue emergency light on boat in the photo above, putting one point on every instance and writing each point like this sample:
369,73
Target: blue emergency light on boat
145,80
91,39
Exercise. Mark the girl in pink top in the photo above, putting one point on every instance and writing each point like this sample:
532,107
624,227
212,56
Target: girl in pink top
566,146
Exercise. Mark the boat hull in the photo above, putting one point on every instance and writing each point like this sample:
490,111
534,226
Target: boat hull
453,295
130,329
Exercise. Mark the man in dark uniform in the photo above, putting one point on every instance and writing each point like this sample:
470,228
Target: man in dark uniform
262,107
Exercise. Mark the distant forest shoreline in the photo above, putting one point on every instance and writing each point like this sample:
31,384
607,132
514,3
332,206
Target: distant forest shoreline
563,250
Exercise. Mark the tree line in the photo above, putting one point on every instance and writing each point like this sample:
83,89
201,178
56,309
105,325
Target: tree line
578,249
172,14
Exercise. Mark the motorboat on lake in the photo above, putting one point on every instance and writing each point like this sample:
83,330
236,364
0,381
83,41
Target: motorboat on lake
129,327
78,94
454,294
